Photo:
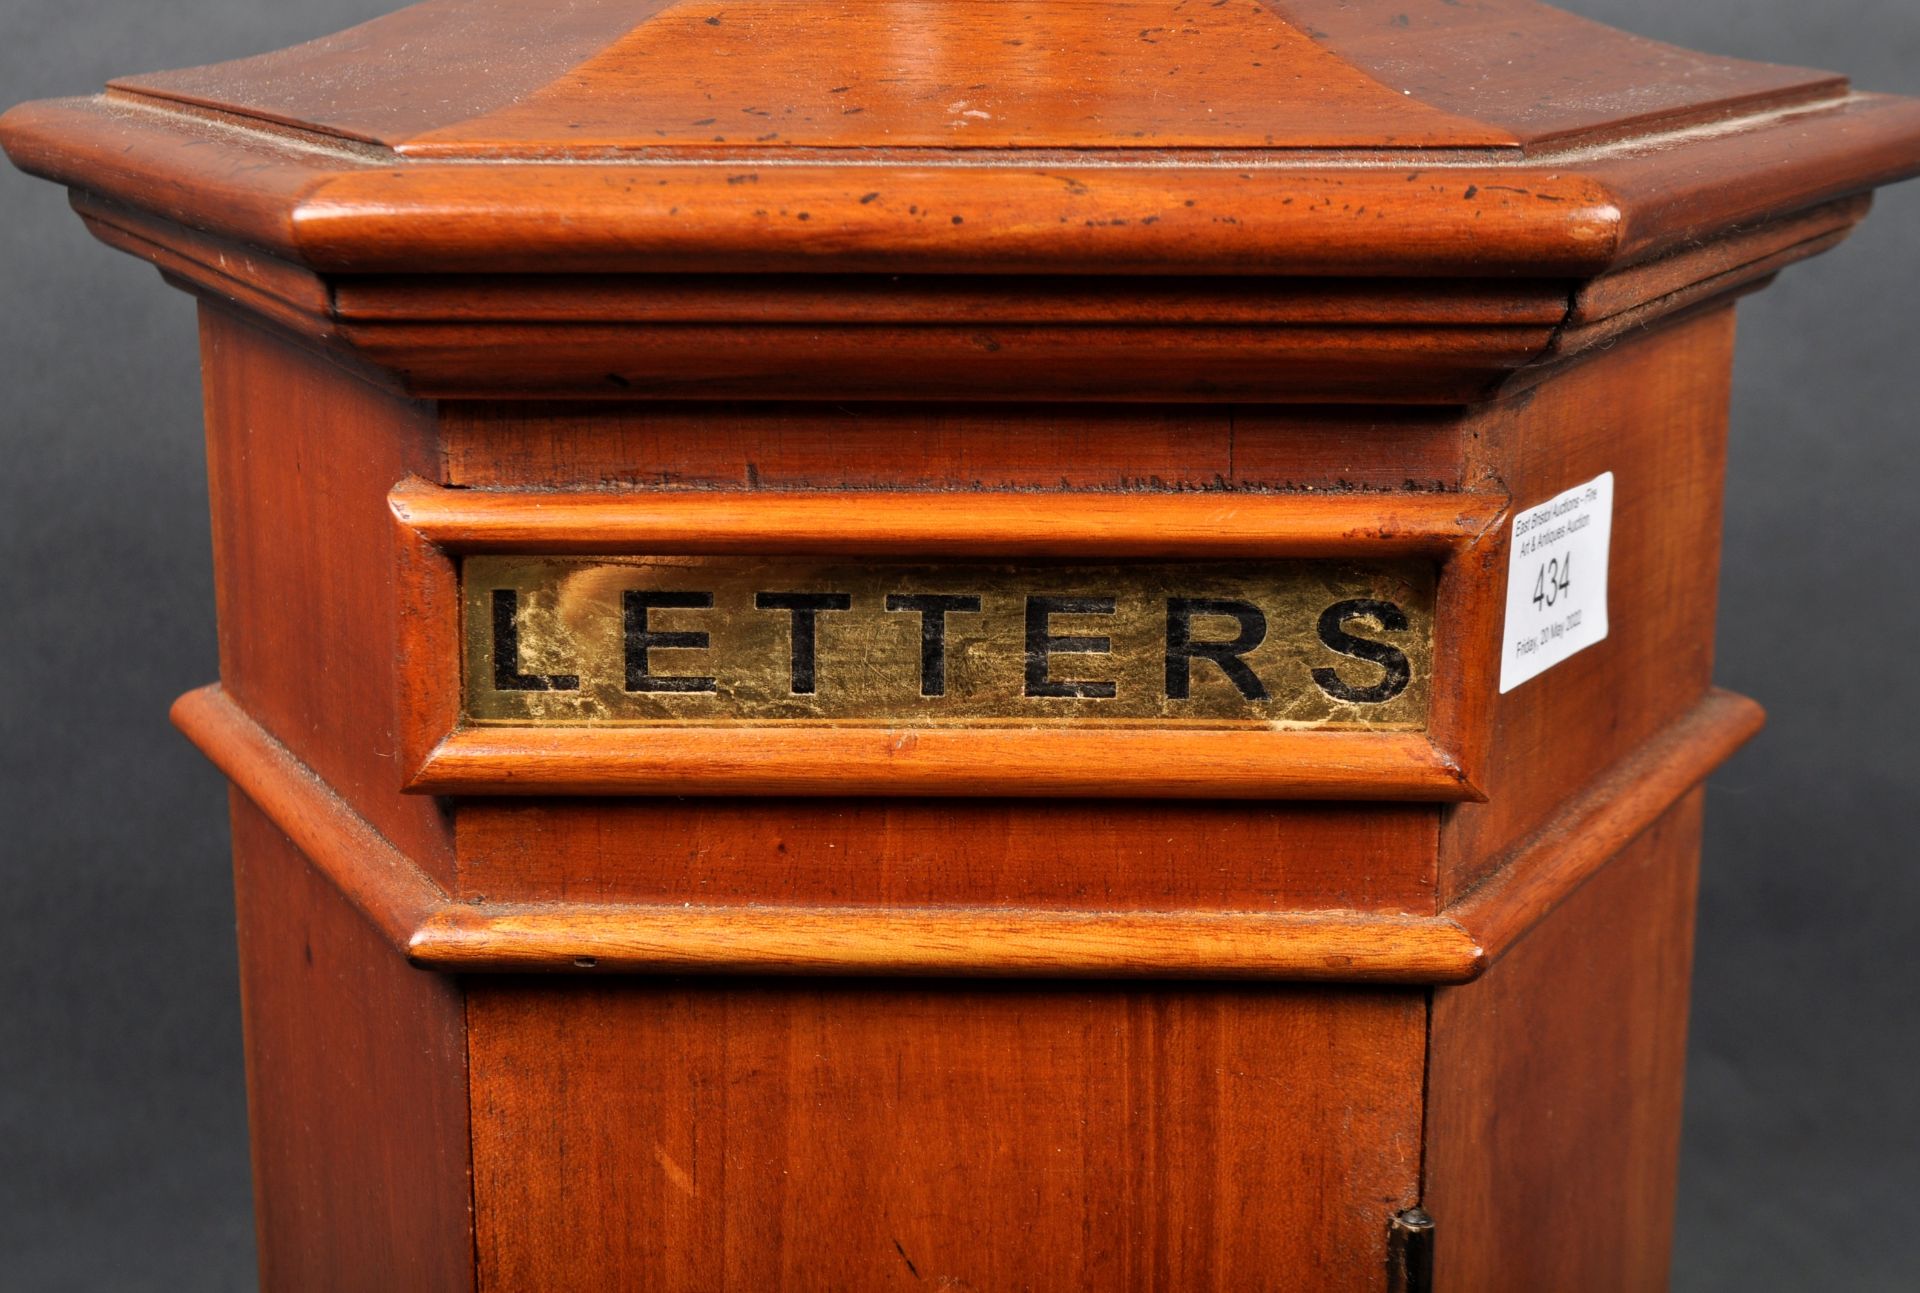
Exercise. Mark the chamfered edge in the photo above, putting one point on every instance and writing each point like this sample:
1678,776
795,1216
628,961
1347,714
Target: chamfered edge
439,932
339,210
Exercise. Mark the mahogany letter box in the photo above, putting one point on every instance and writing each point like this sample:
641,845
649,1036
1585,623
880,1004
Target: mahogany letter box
982,645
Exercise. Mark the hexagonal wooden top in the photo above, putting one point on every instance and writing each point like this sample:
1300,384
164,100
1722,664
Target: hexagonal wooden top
1324,137
1302,200
483,78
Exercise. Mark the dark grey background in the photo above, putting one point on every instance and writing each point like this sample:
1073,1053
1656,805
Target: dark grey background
123,1158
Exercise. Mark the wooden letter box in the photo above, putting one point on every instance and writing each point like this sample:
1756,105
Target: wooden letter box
974,645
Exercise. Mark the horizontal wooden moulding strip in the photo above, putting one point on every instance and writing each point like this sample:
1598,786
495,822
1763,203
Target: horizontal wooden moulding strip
437,932
982,338
1476,213
948,525
1195,763
1347,946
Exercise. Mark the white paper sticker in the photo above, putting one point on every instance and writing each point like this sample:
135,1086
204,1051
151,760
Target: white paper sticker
1557,581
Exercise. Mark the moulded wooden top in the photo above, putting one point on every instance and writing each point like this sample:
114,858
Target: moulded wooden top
1274,137
622,198
493,78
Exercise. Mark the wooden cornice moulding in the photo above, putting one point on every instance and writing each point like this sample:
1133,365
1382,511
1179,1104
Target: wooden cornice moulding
1040,337
950,523
569,220
946,763
1267,212
439,933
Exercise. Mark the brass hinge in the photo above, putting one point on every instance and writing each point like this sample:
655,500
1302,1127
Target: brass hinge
1410,1252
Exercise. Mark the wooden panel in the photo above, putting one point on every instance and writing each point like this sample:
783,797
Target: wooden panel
403,73
342,210
356,1088
828,297
701,1137
981,74
1542,73
1132,219
1653,412
637,101
301,457
1156,524
1104,856
1553,1123
476,77
1320,944
852,446
946,763
1442,364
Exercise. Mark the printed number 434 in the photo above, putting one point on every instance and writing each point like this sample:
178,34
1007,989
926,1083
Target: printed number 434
1554,582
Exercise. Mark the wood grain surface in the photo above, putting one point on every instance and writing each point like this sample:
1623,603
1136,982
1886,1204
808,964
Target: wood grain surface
1297,137
1134,280
937,522
1108,855
1022,937
818,1136
435,80
1653,412
995,448
300,456
356,1086
1554,1086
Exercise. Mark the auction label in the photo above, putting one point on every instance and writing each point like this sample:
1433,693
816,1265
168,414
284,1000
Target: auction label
1557,581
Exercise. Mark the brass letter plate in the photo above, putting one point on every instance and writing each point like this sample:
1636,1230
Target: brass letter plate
749,640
